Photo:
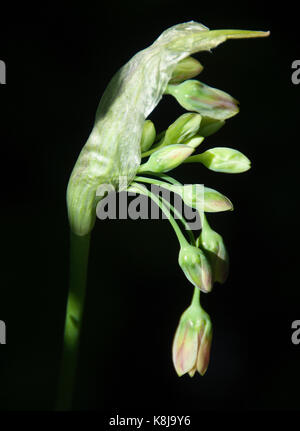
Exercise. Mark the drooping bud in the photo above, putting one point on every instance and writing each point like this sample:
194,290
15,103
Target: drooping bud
148,136
187,68
196,267
192,342
166,158
213,245
209,126
202,198
183,129
208,101
222,159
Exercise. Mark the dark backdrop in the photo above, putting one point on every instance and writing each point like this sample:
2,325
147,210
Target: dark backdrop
59,62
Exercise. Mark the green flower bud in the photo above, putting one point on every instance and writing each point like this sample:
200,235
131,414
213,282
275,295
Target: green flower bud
166,158
215,201
192,342
196,267
195,141
187,68
202,198
221,159
183,129
148,136
195,96
213,245
209,126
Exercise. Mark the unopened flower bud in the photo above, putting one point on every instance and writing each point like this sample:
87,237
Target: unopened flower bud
215,201
222,159
187,68
213,245
192,342
209,126
166,158
195,96
183,129
202,198
148,136
196,267
195,141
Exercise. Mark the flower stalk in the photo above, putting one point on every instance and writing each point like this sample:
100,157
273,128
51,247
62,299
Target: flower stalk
79,254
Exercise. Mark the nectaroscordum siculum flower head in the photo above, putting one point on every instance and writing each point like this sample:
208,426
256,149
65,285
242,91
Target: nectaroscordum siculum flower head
122,134
113,149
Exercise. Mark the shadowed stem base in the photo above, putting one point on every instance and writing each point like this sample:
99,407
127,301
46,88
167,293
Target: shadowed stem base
79,254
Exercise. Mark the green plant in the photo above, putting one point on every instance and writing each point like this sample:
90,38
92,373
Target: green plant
121,136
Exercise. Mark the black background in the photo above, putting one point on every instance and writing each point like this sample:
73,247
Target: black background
59,61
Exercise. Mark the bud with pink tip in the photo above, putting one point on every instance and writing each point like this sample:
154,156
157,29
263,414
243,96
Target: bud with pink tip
192,342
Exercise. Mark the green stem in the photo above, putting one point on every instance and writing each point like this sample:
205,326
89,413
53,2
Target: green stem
155,148
181,238
204,222
151,181
183,221
196,297
79,253
197,158
175,211
167,178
